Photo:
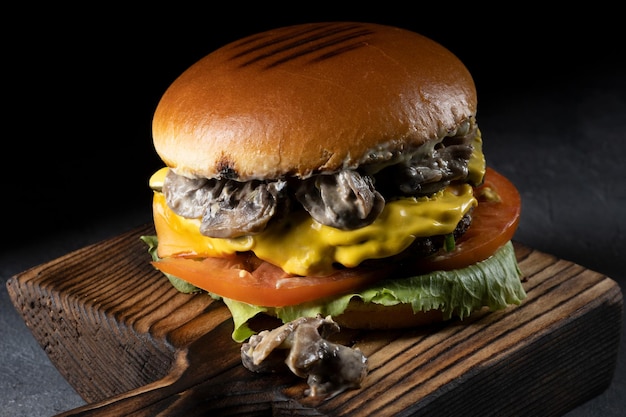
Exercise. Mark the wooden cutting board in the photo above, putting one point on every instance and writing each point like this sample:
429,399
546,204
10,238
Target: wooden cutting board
130,344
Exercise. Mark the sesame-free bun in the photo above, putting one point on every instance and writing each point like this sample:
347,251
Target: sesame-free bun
366,316
310,98
372,316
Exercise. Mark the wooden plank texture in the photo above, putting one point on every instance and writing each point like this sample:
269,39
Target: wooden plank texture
130,344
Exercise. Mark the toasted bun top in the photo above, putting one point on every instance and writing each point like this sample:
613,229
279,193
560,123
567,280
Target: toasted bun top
310,98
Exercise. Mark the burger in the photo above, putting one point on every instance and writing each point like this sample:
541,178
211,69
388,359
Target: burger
332,169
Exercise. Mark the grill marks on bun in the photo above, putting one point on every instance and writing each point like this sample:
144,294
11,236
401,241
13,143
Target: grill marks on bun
310,44
311,99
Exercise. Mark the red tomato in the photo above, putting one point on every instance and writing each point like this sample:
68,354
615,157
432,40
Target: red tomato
246,278
494,222
265,285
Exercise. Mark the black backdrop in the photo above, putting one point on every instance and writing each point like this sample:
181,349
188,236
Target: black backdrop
82,86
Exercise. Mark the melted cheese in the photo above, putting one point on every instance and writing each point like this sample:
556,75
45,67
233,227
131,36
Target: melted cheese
477,165
179,236
158,178
302,246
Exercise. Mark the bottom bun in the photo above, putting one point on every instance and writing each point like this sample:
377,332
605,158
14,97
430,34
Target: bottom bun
365,316
372,316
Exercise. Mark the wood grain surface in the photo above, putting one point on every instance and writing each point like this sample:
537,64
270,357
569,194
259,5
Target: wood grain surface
130,344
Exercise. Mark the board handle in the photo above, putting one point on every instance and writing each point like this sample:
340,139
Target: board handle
206,377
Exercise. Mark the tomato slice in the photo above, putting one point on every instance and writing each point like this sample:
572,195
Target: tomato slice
244,277
263,284
494,222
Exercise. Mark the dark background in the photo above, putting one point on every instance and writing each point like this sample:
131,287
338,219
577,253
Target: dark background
81,86
84,87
